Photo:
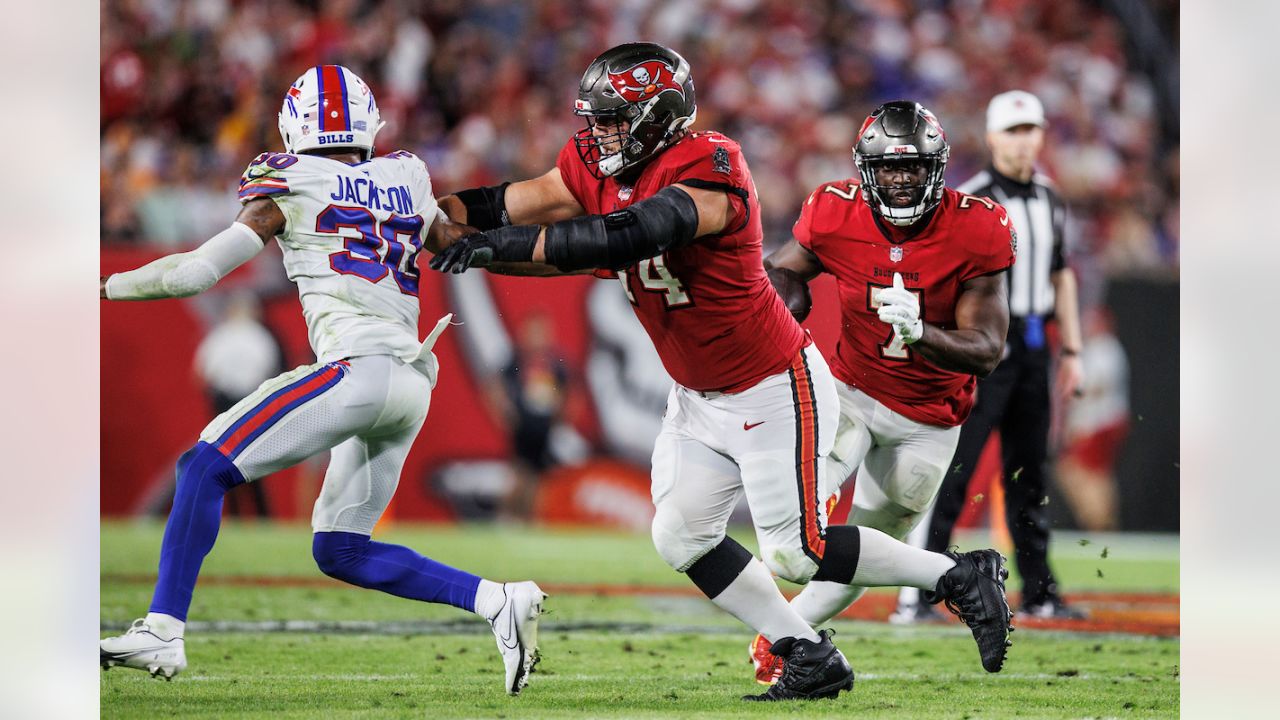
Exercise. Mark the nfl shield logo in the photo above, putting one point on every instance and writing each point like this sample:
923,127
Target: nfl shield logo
895,254
624,193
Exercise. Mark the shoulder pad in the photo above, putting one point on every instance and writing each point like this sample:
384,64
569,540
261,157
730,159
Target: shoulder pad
265,176
847,190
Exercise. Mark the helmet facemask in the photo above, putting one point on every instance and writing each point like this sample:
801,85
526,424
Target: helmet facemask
618,139
637,98
925,196
902,132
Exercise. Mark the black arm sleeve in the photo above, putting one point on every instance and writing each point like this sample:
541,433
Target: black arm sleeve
614,241
486,206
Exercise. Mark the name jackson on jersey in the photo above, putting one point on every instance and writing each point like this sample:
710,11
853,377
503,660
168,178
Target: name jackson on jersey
362,191
351,241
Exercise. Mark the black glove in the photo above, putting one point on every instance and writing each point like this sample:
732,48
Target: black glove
474,250
510,244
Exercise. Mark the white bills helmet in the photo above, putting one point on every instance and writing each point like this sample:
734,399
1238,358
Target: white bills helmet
329,106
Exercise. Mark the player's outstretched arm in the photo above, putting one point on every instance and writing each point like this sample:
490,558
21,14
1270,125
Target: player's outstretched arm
539,201
672,217
189,273
543,200
982,322
790,268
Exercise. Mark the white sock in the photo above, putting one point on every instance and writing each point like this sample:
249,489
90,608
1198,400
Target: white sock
883,561
165,627
755,599
489,599
822,600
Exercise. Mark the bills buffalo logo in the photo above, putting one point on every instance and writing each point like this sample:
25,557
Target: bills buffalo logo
645,80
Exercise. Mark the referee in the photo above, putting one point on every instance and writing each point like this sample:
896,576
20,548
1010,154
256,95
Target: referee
1014,398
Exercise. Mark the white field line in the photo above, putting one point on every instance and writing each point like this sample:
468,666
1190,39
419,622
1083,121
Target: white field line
476,627
546,678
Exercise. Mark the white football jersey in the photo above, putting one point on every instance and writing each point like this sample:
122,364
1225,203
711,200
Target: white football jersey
350,243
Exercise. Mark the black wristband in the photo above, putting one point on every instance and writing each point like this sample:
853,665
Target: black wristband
514,243
486,206
1068,352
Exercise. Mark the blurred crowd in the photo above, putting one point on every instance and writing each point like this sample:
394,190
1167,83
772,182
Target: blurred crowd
483,90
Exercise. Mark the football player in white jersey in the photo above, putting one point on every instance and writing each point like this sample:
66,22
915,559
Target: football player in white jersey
350,226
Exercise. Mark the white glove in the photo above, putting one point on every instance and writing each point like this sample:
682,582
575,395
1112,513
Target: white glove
901,308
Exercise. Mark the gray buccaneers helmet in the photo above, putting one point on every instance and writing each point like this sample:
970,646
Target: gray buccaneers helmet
896,132
643,93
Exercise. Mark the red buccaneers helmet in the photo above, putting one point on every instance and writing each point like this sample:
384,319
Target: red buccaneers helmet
897,132
637,98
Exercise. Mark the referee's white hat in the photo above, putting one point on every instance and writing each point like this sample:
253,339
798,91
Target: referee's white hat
1013,108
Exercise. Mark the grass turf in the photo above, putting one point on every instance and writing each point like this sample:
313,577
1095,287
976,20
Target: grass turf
689,660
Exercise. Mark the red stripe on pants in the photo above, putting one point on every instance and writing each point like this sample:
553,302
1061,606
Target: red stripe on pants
263,415
807,414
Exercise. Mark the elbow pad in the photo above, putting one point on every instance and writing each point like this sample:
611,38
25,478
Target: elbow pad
486,206
614,241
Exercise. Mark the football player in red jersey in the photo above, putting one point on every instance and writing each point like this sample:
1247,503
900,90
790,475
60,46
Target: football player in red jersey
673,214
920,273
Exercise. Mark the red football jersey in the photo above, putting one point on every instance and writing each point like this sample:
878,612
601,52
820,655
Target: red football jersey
714,318
966,238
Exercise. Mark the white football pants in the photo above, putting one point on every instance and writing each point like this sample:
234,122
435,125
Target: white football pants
367,410
900,464
769,441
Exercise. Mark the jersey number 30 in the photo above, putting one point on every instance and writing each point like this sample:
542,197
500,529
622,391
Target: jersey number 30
364,256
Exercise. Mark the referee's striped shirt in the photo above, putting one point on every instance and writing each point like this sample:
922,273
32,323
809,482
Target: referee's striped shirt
1039,217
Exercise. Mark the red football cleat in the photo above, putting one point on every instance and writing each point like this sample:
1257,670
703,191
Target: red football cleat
768,666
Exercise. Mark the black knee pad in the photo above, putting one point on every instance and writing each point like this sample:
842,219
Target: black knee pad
717,570
840,561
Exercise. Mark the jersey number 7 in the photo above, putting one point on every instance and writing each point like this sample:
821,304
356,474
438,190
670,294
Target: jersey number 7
364,257
892,348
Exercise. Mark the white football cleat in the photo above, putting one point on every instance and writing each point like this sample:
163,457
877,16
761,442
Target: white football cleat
516,628
140,648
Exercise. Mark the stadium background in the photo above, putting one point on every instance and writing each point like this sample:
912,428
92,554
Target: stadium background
482,91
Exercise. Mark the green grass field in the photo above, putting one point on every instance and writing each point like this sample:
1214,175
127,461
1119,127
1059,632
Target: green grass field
652,649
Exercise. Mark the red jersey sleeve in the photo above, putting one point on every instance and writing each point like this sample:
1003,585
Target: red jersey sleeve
802,231
710,161
574,173
995,245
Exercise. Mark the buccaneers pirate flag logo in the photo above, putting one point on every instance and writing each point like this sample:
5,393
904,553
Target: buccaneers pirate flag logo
643,81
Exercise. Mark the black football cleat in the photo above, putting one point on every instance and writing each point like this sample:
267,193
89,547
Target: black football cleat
974,590
813,670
